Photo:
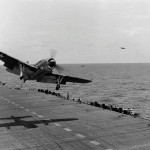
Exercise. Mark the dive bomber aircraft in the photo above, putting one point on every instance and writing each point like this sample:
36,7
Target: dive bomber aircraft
42,71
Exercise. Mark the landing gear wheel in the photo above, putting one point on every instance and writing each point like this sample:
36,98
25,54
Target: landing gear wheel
46,123
21,77
57,86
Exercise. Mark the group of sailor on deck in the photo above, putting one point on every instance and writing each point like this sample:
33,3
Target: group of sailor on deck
123,110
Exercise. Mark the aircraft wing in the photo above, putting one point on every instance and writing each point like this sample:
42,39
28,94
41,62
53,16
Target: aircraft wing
8,125
76,80
53,78
11,62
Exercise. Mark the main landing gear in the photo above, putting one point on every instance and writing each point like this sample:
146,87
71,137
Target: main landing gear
59,80
22,68
57,86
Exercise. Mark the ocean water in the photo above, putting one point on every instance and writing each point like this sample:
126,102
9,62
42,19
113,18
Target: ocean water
126,85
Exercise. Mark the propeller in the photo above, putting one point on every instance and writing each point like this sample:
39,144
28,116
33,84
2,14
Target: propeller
59,69
53,63
53,53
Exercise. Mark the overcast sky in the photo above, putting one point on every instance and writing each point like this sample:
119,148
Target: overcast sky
82,31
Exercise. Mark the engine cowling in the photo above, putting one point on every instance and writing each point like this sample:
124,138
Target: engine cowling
52,63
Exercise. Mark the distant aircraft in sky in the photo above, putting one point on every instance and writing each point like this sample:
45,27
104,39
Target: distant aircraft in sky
42,71
123,48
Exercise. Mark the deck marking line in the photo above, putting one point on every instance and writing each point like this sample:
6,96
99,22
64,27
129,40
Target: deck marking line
56,124
140,146
94,142
4,132
34,113
67,129
40,116
80,135
27,109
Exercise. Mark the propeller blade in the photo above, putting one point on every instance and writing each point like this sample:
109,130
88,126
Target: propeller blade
53,53
59,69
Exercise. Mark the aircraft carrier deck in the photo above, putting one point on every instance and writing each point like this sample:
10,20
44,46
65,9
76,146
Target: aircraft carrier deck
36,121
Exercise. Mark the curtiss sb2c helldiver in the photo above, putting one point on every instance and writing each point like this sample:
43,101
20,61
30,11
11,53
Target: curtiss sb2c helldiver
42,71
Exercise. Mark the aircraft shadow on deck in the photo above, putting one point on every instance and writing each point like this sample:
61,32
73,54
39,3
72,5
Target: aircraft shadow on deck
32,123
